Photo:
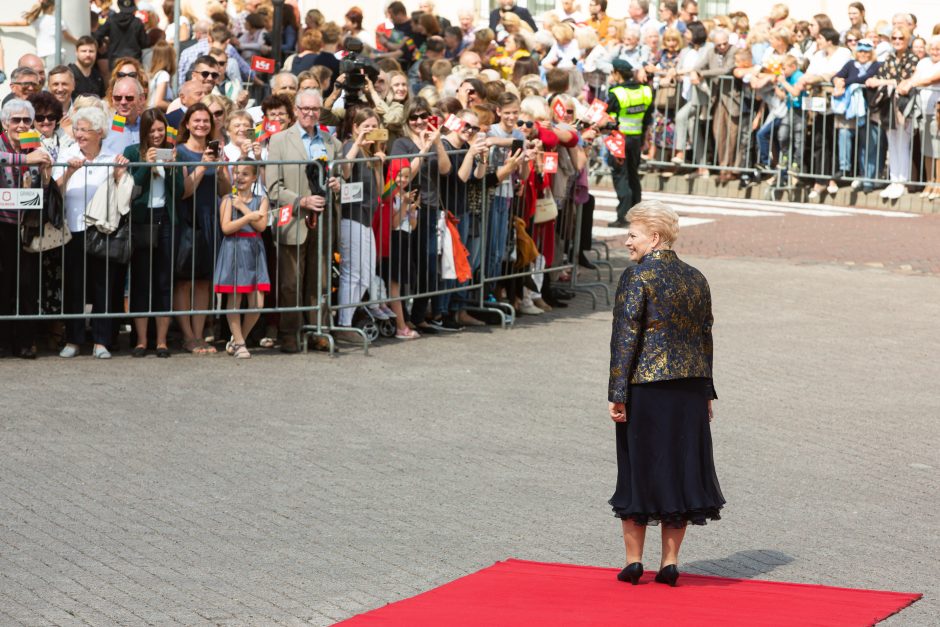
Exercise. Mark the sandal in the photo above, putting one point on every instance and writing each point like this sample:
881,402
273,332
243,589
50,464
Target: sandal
407,334
194,346
266,342
207,348
240,352
230,346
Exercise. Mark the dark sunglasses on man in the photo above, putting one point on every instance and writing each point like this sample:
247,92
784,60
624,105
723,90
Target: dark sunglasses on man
205,74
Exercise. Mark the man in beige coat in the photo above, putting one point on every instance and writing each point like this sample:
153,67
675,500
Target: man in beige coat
303,267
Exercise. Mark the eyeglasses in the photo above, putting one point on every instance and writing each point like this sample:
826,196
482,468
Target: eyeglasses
205,74
27,84
117,98
218,114
46,118
127,74
569,111
19,120
309,110
527,124
414,117
473,129
901,38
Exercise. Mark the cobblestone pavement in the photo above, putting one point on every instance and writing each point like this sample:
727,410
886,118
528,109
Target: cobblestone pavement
801,233
304,490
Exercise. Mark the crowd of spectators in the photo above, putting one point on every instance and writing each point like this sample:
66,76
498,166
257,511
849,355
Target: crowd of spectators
447,124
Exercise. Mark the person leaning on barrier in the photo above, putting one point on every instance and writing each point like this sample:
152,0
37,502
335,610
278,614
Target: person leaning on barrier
19,270
87,278
926,78
303,268
153,221
692,92
828,59
858,155
660,393
425,171
895,70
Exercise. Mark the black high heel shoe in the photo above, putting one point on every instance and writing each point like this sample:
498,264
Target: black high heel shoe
668,575
631,573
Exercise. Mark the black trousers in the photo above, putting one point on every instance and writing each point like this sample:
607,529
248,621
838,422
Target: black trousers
92,280
19,289
626,175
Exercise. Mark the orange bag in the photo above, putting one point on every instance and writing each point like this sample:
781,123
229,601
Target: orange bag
461,254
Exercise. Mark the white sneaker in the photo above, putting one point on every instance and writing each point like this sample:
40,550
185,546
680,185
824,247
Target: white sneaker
813,196
894,191
530,310
857,184
833,189
389,314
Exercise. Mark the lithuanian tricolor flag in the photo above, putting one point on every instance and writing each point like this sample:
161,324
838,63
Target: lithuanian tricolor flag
390,186
259,130
29,139
117,124
171,133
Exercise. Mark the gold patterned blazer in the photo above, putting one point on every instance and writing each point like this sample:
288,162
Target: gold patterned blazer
662,325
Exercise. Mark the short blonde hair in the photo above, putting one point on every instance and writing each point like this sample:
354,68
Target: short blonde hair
536,108
658,217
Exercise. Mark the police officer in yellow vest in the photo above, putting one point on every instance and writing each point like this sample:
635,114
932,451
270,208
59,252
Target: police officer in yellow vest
630,102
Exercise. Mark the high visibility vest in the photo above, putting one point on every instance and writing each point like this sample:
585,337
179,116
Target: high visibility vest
634,101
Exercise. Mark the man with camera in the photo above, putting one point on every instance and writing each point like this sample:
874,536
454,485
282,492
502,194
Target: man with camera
303,267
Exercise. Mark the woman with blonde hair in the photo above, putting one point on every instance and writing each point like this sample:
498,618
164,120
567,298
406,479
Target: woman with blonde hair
564,53
162,68
660,394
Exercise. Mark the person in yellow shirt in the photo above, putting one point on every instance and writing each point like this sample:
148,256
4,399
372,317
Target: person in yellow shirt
599,21
513,48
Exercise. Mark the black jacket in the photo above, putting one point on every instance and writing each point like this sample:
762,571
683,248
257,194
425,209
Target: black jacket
126,35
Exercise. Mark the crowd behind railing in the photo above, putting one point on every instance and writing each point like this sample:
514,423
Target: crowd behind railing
423,177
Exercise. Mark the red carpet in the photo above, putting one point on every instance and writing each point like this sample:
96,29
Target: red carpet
517,592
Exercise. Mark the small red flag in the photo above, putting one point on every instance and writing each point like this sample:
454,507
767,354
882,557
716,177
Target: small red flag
284,215
559,108
550,163
616,145
262,65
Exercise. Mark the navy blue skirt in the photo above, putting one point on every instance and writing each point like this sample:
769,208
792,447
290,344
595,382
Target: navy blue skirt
665,467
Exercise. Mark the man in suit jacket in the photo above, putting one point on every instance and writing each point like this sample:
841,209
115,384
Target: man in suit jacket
299,264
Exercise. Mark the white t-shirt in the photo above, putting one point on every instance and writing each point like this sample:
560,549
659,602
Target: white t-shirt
158,79
82,185
929,94
45,35
822,65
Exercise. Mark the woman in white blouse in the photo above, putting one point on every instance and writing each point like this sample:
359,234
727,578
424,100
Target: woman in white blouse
927,78
86,278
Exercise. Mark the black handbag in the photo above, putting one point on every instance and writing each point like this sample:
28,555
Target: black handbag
193,255
115,246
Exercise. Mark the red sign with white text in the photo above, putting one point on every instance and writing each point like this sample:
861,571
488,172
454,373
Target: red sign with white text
453,123
616,145
550,163
559,108
262,65
596,112
284,215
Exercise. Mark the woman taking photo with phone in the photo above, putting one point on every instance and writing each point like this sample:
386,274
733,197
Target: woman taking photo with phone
201,218
356,240
153,218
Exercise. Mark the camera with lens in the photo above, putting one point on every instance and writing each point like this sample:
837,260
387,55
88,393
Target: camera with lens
356,69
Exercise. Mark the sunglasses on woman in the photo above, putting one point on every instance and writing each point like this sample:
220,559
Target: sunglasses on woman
46,118
527,124
414,117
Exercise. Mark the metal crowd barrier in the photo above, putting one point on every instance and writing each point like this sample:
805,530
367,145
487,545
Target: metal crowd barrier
728,127
69,276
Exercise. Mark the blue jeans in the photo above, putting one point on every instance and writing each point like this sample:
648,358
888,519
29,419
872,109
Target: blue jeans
497,234
872,150
765,135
